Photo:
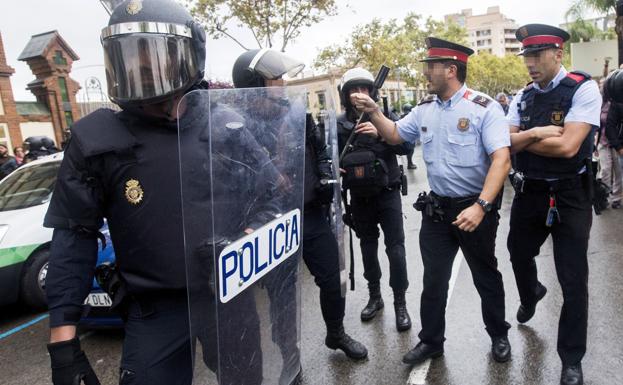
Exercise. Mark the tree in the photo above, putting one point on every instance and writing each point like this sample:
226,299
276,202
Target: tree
273,23
398,45
492,74
608,7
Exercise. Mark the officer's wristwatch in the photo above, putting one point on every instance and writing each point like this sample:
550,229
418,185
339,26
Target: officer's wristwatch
485,205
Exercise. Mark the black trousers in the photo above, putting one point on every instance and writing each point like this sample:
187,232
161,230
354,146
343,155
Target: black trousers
384,209
158,346
570,238
320,253
439,244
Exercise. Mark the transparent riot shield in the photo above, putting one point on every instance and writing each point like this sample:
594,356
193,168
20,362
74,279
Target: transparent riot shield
242,171
327,118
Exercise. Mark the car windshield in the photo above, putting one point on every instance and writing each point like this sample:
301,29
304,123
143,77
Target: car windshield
28,186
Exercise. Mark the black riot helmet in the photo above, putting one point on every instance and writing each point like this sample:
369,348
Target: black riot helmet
254,66
406,108
614,86
153,49
353,78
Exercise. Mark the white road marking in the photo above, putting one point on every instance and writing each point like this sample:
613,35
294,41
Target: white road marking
419,372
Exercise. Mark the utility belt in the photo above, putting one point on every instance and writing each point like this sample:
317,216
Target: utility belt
521,184
436,206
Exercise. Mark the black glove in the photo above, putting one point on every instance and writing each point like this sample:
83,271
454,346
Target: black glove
324,191
70,365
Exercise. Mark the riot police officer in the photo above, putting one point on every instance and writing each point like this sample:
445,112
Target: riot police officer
551,123
374,204
265,68
125,167
465,148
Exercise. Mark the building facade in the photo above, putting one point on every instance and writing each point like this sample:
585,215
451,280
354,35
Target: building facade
50,59
322,91
491,32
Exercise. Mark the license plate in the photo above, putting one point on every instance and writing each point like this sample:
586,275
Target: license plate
98,300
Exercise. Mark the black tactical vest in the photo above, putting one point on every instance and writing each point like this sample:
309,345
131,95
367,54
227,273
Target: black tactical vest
135,165
538,109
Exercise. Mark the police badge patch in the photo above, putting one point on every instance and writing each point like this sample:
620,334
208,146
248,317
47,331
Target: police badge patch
463,124
133,191
360,172
558,117
134,7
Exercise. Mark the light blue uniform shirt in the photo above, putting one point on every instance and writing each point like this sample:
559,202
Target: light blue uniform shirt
458,136
585,105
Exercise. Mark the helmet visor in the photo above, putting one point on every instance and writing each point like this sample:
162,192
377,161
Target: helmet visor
272,65
145,66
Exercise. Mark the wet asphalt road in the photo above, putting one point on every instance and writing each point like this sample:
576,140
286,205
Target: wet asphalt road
467,361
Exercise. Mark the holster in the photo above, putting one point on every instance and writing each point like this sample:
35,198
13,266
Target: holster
429,206
108,278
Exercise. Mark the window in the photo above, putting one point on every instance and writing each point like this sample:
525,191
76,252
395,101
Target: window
62,84
28,186
69,118
4,135
59,59
322,100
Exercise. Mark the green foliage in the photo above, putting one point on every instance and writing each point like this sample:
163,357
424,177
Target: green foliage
491,74
399,45
273,23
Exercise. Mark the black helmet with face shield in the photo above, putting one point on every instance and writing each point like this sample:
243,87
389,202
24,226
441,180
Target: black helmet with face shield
255,66
153,49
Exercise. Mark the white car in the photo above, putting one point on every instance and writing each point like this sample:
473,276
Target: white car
24,242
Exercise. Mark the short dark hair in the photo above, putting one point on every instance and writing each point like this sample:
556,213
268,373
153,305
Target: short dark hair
461,69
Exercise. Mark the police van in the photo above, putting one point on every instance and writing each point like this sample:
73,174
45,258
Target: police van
25,244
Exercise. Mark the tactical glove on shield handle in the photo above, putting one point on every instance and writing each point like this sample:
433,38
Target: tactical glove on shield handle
70,365
378,84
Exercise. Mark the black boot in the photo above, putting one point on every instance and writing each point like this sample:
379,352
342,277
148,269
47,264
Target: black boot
525,312
571,375
375,303
403,321
338,339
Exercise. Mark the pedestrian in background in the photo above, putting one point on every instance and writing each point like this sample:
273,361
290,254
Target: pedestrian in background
608,156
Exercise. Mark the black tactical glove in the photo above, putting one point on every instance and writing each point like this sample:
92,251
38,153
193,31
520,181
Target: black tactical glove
70,365
324,189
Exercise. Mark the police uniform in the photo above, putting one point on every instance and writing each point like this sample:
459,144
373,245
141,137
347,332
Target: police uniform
554,184
458,136
128,177
320,248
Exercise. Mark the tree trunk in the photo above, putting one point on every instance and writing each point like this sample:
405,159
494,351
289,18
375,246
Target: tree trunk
619,30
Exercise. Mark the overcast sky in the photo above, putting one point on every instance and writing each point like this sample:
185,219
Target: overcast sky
80,21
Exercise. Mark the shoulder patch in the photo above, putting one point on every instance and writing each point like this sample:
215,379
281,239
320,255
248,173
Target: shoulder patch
579,75
427,99
575,78
480,100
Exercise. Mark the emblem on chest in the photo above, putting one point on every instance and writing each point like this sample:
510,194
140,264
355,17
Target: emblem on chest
463,124
133,191
558,117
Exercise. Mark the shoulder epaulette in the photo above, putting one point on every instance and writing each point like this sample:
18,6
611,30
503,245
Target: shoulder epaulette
428,99
480,100
574,78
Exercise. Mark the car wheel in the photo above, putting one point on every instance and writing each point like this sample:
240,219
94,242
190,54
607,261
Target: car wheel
33,280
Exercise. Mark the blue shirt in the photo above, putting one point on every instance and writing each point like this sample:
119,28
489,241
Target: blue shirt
585,105
458,136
